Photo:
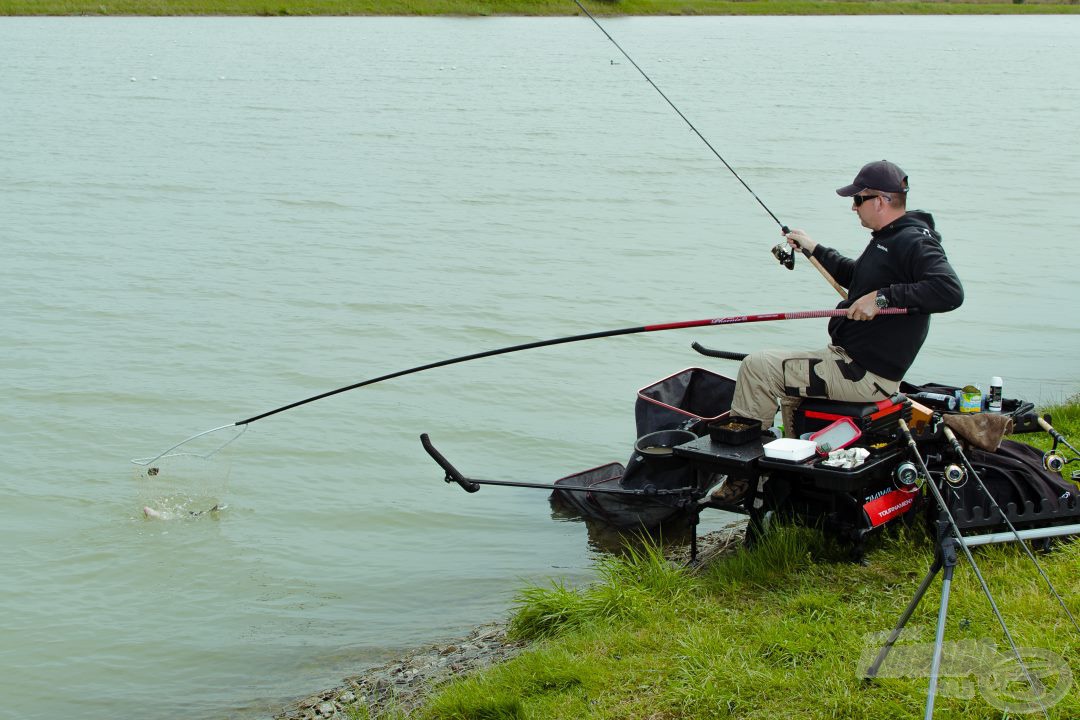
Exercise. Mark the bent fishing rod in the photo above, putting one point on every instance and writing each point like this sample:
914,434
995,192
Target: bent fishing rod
782,253
733,320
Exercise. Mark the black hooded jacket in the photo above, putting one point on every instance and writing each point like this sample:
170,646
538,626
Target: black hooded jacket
905,261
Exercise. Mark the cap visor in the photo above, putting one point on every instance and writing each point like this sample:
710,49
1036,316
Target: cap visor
848,190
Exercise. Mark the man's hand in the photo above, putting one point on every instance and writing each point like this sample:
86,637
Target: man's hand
800,240
865,308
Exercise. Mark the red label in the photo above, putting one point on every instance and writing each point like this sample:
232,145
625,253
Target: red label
888,506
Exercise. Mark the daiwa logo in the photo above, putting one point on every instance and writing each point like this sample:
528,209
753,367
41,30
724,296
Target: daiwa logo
879,493
882,248
729,320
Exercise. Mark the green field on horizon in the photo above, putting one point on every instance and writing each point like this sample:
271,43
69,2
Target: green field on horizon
527,7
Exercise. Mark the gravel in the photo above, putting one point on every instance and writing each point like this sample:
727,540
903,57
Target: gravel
404,684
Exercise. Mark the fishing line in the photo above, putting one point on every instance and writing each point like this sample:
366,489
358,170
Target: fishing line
784,254
680,114
733,320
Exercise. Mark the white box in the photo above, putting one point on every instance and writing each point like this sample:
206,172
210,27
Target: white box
790,449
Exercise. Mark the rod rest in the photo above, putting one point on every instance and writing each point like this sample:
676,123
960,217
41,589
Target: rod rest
979,516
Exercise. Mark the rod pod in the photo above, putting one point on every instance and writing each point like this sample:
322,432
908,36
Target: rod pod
959,450
944,560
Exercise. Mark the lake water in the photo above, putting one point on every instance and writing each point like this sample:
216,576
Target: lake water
204,219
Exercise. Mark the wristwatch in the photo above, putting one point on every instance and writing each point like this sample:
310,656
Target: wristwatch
881,301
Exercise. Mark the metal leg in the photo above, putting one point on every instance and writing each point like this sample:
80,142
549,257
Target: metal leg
871,672
945,559
694,508
949,563
693,536
755,527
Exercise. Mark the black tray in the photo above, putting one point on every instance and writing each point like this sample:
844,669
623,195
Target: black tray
720,432
708,453
830,478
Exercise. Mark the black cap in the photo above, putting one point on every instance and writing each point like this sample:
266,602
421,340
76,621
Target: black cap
880,175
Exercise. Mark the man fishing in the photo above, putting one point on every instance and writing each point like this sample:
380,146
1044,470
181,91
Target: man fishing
902,266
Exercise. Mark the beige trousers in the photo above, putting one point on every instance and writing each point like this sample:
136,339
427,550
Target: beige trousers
789,375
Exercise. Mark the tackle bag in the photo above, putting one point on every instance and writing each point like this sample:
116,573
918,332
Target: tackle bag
1016,478
946,399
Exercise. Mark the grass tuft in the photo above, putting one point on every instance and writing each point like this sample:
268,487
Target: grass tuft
630,586
500,706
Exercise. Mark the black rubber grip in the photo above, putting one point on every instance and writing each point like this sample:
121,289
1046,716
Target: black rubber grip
722,354
452,474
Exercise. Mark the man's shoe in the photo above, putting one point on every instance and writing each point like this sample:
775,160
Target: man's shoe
732,492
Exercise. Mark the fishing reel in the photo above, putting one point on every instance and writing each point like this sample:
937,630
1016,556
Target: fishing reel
785,255
955,475
906,475
1054,461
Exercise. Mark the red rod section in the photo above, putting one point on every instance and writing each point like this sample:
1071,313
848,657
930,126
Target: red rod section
766,317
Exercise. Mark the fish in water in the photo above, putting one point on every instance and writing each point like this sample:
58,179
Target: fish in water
152,514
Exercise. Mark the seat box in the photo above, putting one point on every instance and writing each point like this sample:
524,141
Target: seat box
876,421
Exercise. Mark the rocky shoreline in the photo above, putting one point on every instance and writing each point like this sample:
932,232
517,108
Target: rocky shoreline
403,685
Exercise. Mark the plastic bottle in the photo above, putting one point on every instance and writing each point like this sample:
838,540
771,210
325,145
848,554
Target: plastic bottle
994,404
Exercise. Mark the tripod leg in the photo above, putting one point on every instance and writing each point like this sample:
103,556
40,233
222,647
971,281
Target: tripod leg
871,672
949,562
695,518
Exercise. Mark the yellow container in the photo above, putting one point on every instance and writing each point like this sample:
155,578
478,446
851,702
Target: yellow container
970,400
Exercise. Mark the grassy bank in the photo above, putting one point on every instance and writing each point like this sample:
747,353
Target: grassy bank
526,7
782,631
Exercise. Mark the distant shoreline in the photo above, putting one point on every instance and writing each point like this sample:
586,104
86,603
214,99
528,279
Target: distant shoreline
535,8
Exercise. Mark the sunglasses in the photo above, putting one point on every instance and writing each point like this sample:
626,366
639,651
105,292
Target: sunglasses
860,199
